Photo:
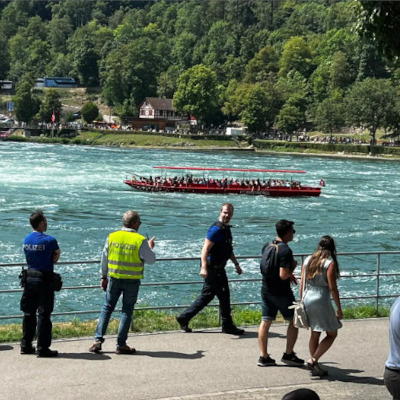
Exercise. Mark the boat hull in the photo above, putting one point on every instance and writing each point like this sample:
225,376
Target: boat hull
273,191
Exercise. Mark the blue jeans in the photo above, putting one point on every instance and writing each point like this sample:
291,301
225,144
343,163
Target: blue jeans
129,288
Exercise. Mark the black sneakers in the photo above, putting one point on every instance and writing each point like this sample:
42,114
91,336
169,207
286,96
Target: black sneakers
28,350
266,362
47,353
292,360
183,324
232,330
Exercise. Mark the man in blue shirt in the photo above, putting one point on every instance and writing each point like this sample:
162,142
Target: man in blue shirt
41,252
217,250
392,368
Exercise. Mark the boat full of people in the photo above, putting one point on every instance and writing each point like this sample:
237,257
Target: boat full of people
184,180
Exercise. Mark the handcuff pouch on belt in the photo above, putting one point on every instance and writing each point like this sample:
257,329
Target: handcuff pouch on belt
22,277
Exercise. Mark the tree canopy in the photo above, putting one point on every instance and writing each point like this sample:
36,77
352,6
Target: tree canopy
252,60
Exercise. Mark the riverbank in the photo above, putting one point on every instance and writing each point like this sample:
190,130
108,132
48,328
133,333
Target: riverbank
212,143
149,321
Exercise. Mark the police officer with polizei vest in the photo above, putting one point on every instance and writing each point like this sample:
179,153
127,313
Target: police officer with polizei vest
41,252
217,250
122,267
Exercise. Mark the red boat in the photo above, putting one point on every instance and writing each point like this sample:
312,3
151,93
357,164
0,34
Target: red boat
187,183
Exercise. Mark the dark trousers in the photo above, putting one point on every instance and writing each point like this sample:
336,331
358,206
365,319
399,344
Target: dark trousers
216,284
392,382
38,297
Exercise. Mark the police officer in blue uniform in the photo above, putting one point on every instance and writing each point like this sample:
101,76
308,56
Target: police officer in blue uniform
217,250
41,252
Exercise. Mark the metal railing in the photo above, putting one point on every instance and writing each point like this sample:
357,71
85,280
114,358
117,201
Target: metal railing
377,274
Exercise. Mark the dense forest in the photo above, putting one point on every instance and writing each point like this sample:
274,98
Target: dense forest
282,64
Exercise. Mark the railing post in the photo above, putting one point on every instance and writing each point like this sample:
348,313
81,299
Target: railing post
378,271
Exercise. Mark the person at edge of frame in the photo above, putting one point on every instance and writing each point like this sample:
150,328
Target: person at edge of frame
276,294
217,250
123,258
41,252
391,375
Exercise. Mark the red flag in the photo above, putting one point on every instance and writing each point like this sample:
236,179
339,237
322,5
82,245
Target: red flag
53,117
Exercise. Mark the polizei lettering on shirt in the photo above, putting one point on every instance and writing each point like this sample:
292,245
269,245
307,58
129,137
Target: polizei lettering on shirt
122,248
35,247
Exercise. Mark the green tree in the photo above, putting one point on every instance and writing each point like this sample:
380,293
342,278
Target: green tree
290,119
233,99
26,103
197,93
255,111
370,104
84,59
329,116
296,56
89,112
4,57
167,82
263,66
380,21
51,104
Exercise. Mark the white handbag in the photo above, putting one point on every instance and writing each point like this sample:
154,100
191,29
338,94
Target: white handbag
300,319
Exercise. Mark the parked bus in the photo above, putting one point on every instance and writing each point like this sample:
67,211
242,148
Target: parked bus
6,85
64,82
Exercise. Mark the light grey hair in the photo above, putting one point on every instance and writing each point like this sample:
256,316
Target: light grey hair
130,218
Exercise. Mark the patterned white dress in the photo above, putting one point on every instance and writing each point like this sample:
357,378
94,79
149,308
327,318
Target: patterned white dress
317,302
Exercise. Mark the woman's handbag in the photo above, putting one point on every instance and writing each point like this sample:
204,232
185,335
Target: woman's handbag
300,319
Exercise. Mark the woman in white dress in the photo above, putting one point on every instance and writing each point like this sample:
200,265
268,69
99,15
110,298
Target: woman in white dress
321,270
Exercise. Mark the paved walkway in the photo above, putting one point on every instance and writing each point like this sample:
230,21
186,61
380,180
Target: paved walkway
198,366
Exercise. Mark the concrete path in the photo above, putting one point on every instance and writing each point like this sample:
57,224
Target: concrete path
198,366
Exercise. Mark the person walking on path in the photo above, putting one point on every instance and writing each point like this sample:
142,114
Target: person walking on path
391,375
321,271
123,258
41,252
276,294
217,250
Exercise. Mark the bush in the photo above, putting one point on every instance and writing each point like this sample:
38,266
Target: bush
89,112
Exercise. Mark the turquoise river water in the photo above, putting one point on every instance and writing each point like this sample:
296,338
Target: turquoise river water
81,190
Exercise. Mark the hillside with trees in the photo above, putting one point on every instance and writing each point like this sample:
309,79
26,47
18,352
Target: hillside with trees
286,65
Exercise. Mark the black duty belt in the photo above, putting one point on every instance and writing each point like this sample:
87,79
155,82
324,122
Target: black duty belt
216,265
32,272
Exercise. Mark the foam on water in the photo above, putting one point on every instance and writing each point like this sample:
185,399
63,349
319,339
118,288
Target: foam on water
81,190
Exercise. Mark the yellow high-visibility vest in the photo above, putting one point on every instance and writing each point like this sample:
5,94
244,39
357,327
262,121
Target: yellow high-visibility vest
123,255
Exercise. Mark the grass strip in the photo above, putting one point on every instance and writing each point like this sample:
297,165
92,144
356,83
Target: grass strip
158,321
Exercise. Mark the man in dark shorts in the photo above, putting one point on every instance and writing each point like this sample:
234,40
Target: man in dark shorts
217,250
277,295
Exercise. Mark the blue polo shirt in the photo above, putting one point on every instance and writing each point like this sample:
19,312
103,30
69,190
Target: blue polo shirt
39,249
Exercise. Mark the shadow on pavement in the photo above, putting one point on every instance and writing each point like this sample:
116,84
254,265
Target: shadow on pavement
346,375
171,354
5,347
85,356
